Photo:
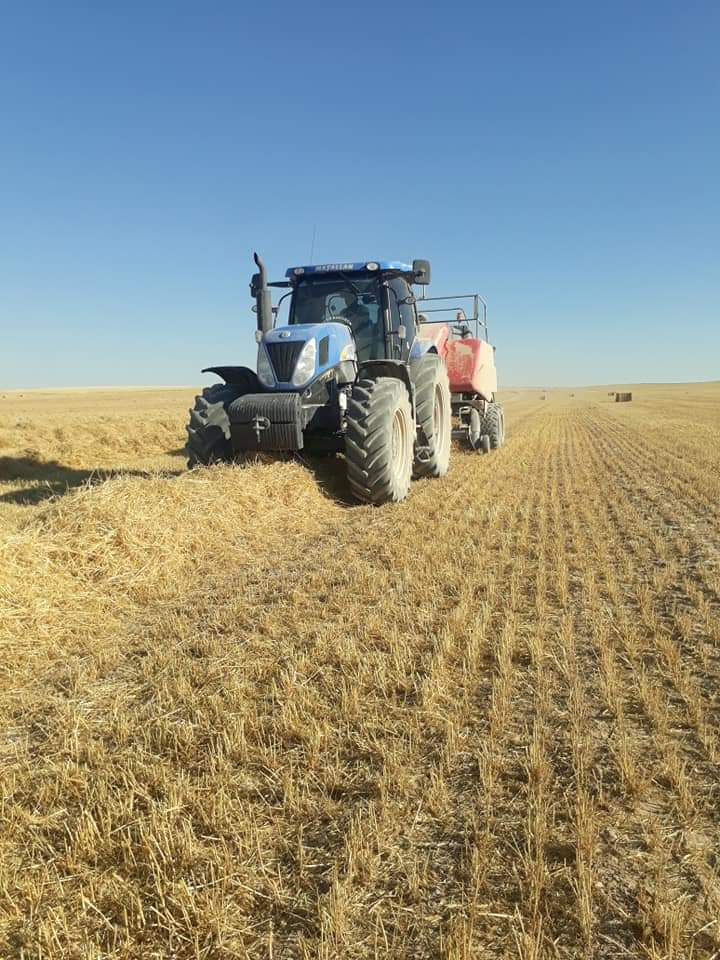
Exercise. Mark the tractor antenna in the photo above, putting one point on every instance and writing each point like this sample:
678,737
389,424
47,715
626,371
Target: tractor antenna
312,245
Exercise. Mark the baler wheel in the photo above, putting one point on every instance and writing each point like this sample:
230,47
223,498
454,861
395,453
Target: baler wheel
433,412
494,425
475,434
379,440
208,429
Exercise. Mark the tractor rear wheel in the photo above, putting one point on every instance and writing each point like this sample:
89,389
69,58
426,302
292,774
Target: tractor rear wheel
494,425
433,412
208,429
379,440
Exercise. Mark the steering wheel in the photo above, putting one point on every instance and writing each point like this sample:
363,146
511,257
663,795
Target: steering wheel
359,323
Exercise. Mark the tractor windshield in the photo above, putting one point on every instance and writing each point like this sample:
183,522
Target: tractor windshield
344,298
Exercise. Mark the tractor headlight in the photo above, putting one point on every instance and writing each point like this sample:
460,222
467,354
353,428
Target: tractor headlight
264,368
305,366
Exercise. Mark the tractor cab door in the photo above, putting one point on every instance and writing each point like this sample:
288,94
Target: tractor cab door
402,314
365,316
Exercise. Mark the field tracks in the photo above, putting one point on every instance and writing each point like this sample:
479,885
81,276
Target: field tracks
243,719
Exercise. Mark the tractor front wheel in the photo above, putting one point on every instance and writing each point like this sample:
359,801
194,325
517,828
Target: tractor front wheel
379,440
208,430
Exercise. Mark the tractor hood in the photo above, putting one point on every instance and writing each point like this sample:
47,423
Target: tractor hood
292,357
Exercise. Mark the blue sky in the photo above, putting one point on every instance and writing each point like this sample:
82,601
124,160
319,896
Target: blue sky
562,159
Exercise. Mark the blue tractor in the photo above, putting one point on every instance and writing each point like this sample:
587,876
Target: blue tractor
347,374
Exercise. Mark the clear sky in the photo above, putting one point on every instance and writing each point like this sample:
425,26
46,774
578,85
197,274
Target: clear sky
563,159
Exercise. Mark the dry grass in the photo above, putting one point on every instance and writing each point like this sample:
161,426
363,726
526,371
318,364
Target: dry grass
241,718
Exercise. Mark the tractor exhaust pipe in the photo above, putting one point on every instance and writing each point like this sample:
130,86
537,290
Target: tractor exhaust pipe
263,298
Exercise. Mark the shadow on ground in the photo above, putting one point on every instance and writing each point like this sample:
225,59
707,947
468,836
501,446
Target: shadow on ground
331,477
50,477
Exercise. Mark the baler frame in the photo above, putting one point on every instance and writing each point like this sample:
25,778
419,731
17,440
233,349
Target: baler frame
480,422
480,323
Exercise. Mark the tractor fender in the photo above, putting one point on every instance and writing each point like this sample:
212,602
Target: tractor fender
236,376
389,368
431,338
421,348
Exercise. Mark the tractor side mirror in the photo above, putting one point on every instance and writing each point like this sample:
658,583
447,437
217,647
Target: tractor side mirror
421,271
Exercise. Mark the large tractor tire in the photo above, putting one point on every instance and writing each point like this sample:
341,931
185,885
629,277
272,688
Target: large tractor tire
494,425
209,426
379,441
433,412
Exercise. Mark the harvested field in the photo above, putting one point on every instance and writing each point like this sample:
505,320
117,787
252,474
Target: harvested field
241,717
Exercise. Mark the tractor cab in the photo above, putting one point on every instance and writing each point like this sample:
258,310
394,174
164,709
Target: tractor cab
372,298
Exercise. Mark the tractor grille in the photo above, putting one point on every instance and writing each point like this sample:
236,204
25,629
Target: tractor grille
283,357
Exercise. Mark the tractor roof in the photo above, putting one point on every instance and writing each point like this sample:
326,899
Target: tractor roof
362,267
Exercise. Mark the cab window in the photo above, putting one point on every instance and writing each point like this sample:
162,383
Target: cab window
402,313
350,299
